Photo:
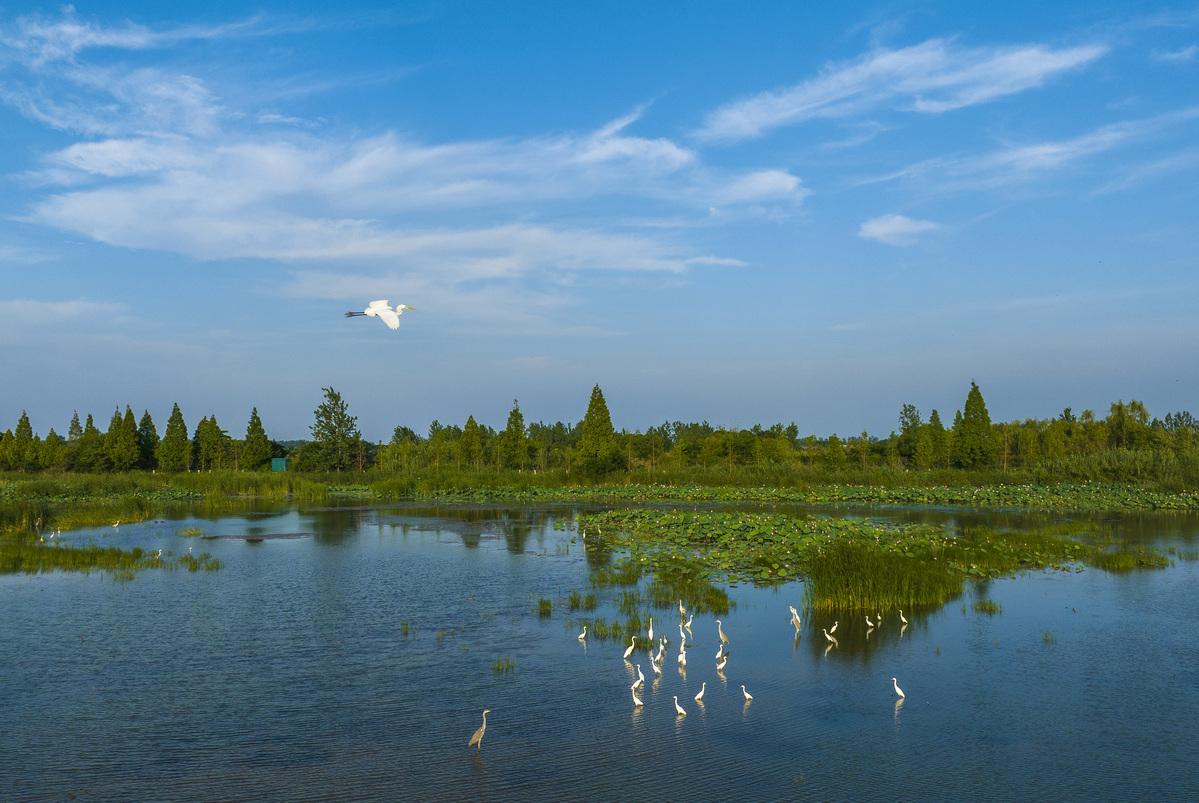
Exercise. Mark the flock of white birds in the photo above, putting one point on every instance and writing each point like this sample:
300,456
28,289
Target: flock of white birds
722,657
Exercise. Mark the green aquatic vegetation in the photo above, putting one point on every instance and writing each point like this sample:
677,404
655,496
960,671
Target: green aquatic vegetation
630,602
1126,560
544,607
502,666
1048,639
575,601
1078,496
191,532
19,557
987,606
848,564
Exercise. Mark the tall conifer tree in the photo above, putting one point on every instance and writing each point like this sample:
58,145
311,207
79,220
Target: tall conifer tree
175,449
256,449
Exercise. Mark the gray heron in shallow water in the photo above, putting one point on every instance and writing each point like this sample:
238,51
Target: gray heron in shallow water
477,739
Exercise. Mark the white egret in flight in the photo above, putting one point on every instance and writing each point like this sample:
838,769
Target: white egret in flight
381,310
898,690
477,739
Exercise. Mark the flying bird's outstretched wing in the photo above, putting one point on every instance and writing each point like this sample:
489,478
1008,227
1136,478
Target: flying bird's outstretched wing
389,317
381,304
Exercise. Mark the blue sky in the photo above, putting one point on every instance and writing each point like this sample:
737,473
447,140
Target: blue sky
798,214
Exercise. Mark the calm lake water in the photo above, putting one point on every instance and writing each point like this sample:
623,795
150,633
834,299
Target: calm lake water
288,675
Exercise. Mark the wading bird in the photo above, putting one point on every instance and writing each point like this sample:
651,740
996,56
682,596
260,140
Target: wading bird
901,616
869,623
749,698
828,636
878,620
637,700
477,739
650,635
116,524
898,690
657,669
690,619
833,629
682,659
678,709
720,666
629,650
682,610
640,677
380,309
699,698
720,632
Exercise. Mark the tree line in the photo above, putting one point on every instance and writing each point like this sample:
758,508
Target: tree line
1127,443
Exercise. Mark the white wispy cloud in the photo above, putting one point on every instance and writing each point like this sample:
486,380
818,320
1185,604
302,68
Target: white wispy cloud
1016,162
29,311
164,162
932,77
1182,55
896,229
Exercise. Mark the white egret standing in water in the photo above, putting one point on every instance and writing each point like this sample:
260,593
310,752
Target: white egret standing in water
690,619
869,623
720,632
583,635
699,698
831,640
898,690
901,616
651,629
749,698
682,610
833,629
381,310
477,739
678,709
636,699
629,650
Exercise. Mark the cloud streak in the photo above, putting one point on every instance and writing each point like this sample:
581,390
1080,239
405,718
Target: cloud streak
932,77
896,229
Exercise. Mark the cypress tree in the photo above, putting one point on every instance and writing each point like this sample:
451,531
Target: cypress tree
21,455
598,451
256,449
75,430
925,456
174,451
939,439
909,429
514,443
89,455
147,441
120,442
54,451
974,443
470,445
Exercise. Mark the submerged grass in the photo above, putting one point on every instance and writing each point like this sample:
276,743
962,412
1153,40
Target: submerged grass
18,558
987,606
502,666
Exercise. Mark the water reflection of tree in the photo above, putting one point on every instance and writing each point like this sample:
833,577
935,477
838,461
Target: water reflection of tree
335,525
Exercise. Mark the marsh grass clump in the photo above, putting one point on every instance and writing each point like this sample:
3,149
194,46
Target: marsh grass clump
987,606
846,575
1127,560
575,600
545,608
503,666
590,603
191,532
19,557
630,602
1048,639
405,630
